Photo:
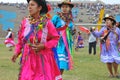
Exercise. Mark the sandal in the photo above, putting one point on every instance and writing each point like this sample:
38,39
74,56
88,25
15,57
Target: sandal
111,76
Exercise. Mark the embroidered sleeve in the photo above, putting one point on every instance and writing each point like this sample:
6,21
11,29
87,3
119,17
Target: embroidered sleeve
53,34
19,44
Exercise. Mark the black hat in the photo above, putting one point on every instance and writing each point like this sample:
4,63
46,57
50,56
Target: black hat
66,3
110,17
43,4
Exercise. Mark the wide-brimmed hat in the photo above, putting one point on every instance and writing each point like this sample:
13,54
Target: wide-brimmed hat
9,29
43,4
66,3
110,17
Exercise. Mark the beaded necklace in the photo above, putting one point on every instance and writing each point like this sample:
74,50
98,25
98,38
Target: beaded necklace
67,17
37,24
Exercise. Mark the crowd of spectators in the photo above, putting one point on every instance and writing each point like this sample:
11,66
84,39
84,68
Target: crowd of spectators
90,10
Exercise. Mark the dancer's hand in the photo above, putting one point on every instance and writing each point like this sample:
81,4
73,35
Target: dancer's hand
38,47
14,57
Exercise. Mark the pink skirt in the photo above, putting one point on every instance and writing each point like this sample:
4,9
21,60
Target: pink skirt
38,66
10,42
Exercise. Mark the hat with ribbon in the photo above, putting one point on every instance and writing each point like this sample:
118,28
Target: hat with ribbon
66,3
110,17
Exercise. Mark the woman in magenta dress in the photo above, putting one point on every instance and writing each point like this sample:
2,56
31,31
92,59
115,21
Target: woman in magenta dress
36,38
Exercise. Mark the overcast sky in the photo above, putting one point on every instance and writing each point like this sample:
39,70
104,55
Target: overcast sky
24,1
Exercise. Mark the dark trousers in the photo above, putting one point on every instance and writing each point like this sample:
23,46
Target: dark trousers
92,45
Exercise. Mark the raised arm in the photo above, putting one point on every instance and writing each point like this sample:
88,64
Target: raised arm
99,33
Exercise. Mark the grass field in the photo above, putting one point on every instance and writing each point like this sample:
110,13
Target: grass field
86,67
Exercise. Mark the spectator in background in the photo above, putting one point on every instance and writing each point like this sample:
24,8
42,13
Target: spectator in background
92,41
